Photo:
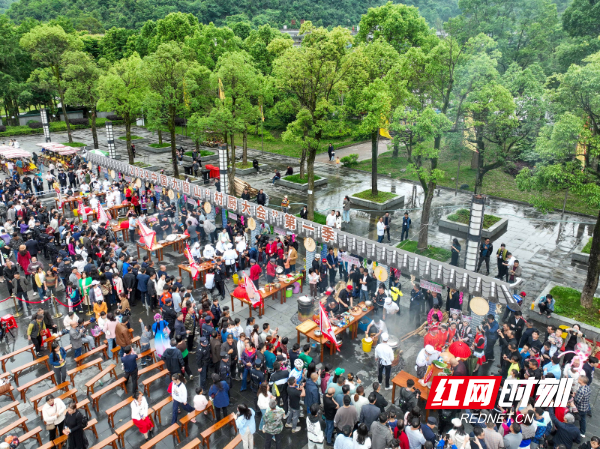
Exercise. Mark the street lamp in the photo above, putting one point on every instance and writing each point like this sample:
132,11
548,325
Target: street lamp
474,234
110,138
45,125
223,177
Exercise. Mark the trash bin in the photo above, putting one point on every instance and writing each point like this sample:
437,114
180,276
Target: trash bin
305,308
188,169
205,175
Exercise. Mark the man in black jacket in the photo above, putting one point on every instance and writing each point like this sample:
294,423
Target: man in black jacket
279,378
380,402
231,347
203,359
130,285
225,367
173,359
567,433
215,351
169,315
517,323
261,198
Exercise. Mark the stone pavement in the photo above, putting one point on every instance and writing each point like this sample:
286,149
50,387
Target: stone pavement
542,243
363,149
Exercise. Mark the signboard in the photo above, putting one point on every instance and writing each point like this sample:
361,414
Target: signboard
494,289
426,285
232,216
350,259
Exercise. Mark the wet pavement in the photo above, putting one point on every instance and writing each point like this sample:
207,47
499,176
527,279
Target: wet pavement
542,243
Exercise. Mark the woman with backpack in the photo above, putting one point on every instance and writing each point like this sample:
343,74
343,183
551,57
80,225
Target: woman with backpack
75,422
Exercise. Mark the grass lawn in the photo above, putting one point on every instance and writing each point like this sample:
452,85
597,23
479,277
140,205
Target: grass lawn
242,165
463,216
433,252
381,197
132,138
496,182
588,247
159,145
319,218
567,304
202,153
297,179
141,164
74,144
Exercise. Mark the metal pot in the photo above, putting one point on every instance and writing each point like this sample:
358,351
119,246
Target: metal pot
394,343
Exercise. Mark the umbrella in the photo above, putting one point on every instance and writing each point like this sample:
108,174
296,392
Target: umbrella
460,350
50,145
100,152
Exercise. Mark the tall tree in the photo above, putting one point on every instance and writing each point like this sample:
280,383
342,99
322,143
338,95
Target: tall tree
122,89
312,73
82,75
165,72
210,42
47,45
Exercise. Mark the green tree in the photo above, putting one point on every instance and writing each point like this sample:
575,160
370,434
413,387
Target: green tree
173,28
209,43
400,25
122,89
113,45
82,74
312,73
576,104
47,44
165,72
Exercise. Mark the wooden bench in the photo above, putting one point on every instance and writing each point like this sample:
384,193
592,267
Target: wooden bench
85,404
10,392
110,369
158,365
51,340
149,353
194,444
147,382
233,443
171,430
5,358
14,406
61,440
23,388
230,419
135,341
128,425
114,409
98,337
73,372
158,407
110,441
48,445
21,422
17,371
187,418
69,394
35,433
38,397
96,396
79,360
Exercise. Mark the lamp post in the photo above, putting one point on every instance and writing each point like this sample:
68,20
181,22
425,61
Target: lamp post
45,125
474,234
223,177
110,138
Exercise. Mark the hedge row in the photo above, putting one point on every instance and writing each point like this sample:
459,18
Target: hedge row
10,131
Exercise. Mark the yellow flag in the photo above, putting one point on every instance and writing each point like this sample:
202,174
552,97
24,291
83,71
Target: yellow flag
384,132
221,90
261,113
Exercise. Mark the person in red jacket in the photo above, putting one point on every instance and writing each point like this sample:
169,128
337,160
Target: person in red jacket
255,272
271,273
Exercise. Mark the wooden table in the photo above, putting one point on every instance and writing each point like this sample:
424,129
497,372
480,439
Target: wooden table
400,379
203,268
159,247
125,231
308,329
261,309
73,200
114,211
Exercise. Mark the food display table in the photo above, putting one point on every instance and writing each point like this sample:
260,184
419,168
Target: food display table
400,379
203,268
309,327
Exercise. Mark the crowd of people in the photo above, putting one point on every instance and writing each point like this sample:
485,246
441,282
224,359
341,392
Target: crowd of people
204,346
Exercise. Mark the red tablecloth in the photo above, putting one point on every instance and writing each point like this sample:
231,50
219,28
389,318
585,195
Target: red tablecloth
214,171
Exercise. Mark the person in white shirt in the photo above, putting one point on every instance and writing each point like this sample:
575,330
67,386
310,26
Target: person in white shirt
240,244
361,437
385,355
380,230
179,394
72,316
209,252
84,188
330,220
200,401
390,307
53,414
17,144
139,415
230,256
425,357
224,237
